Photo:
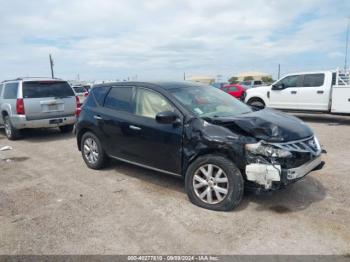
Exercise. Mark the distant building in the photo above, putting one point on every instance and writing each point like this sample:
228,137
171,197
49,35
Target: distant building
255,75
208,80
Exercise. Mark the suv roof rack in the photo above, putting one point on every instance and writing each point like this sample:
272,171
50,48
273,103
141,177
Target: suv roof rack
30,77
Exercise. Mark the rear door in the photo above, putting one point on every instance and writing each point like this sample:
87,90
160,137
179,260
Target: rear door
48,99
314,92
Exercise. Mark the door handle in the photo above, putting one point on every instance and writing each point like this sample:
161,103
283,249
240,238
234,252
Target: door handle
320,92
97,117
134,127
293,92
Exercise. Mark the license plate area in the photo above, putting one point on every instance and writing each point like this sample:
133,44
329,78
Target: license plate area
56,121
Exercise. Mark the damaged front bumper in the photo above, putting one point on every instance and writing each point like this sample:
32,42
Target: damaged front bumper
280,169
273,176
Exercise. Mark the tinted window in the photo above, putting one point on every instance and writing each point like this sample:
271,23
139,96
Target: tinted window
79,89
119,98
289,81
100,93
149,103
39,89
206,101
11,91
313,80
258,83
232,89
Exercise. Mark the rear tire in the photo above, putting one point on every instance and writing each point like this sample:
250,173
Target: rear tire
92,151
11,132
212,191
66,129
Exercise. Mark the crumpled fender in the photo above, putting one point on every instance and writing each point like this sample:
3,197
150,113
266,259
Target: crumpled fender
201,137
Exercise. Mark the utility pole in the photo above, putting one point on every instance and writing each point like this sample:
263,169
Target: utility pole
347,44
184,76
279,71
51,66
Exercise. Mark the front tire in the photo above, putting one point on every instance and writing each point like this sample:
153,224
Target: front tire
214,182
256,102
11,132
92,151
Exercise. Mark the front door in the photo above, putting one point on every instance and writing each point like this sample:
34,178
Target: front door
286,97
153,144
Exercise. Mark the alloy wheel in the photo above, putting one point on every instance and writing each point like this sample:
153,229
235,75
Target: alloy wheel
7,128
91,150
210,184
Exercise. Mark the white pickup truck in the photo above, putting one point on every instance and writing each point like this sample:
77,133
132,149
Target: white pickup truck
320,91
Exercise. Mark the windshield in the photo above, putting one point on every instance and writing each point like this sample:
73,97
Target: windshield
40,89
207,101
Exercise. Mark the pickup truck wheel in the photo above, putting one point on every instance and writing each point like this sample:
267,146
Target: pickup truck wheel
92,151
66,129
214,182
256,102
10,131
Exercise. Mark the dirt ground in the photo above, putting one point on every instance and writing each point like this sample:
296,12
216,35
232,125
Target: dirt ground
51,203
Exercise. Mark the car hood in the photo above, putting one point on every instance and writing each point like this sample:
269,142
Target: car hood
266,124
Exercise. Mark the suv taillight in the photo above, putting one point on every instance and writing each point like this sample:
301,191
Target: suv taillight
78,108
20,106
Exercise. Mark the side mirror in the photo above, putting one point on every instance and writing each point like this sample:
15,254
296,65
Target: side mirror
278,87
167,117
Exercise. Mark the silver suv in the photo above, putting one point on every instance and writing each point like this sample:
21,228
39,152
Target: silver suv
37,103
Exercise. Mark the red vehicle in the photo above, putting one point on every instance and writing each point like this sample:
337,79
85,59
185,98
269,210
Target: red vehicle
234,90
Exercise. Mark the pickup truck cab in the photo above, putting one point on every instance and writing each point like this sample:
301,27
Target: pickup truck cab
320,91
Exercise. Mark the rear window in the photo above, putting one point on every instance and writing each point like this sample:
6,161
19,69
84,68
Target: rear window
38,89
11,91
313,80
119,98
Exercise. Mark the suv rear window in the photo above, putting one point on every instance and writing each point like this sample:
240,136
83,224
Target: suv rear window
11,91
38,89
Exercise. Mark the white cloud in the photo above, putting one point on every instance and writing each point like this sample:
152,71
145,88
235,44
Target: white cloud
163,38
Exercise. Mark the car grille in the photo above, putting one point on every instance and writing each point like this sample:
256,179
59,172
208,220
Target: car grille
308,145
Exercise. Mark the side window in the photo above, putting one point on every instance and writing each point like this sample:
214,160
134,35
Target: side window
232,89
10,91
313,80
119,98
290,81
149,103
257,82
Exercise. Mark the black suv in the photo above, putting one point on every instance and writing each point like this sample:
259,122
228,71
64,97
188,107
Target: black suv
217,143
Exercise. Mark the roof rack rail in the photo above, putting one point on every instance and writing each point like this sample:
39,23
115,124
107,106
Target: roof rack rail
29,77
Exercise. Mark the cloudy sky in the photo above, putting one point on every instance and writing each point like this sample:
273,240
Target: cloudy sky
162,39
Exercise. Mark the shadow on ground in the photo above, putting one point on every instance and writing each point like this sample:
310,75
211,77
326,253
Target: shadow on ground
296,197
331,120
40,135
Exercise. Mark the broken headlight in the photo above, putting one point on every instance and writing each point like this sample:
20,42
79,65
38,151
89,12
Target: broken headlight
267,150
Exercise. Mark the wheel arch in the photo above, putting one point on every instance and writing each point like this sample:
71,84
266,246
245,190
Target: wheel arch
80,134
209,151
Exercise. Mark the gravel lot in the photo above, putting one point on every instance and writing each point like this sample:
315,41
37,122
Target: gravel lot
51,203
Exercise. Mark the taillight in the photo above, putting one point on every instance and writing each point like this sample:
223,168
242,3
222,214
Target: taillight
20,106
86,94
78,108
